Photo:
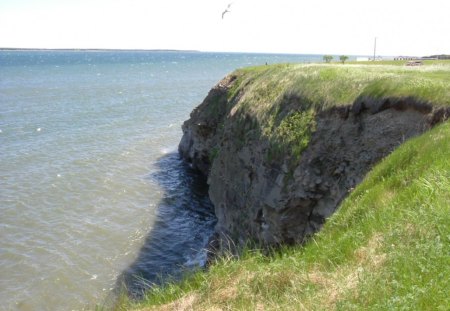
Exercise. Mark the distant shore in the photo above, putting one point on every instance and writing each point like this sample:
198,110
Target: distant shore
97,50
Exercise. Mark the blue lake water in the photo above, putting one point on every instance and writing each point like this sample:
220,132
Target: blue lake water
91,188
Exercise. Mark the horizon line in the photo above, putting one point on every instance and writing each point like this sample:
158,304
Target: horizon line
194,51
165,50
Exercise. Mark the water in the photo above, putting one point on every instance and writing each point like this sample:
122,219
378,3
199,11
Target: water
92,191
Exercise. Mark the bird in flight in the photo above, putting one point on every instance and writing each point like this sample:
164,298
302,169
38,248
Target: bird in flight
227,10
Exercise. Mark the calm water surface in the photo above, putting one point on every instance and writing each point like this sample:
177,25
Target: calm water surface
92,192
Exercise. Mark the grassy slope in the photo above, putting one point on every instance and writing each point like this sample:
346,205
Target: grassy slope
388,245
324,86
280,99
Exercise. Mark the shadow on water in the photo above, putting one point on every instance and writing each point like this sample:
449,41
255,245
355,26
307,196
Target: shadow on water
184,222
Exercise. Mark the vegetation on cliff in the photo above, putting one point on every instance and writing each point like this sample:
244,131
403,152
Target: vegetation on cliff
387,245
270,95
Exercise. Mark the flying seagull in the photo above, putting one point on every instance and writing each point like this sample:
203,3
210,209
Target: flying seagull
227,10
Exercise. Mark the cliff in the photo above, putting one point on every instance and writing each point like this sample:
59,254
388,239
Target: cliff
283,145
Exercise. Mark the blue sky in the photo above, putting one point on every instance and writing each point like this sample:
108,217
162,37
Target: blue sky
284,26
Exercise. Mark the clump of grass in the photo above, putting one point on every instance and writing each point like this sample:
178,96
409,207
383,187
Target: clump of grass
293,134
213,153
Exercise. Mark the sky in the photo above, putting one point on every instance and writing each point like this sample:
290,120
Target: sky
273,26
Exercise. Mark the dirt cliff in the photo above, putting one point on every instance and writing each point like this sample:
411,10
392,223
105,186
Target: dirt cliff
276,179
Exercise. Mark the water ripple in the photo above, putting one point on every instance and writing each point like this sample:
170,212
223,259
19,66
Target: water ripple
88,184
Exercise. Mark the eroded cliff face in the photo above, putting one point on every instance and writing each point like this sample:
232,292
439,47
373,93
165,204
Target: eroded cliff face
286,198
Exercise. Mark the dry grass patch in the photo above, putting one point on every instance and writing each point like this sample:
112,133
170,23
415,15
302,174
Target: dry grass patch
224,290
184,303
344,280
388,197
369,256
332,285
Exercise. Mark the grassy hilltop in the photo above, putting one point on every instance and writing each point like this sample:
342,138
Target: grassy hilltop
388,245
266,94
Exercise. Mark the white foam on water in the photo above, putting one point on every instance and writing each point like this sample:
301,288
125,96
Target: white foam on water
197,260
167,150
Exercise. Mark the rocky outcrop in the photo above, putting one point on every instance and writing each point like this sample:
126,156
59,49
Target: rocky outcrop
201,131
287,198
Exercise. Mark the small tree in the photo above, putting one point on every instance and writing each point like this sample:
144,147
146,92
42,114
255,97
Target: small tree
343,58
327,58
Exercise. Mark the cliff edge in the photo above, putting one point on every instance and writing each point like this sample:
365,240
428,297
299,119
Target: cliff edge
283,145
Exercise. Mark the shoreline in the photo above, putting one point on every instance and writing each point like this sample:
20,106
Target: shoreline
96,50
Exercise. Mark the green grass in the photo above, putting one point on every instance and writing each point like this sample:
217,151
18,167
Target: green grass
295,131
270,96
388,245
387,248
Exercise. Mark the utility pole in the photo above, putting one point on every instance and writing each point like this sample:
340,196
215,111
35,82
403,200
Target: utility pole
374,48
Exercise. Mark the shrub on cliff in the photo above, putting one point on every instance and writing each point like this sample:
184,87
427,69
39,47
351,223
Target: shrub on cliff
294,132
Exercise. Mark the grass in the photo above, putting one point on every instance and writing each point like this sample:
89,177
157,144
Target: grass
295,131
267,89
270,96
387,248
388,245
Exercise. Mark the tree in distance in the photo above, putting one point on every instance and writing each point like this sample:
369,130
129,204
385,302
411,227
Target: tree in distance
343,58
327,58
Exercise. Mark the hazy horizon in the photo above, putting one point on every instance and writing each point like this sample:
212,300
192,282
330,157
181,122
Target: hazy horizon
286,26
192,51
